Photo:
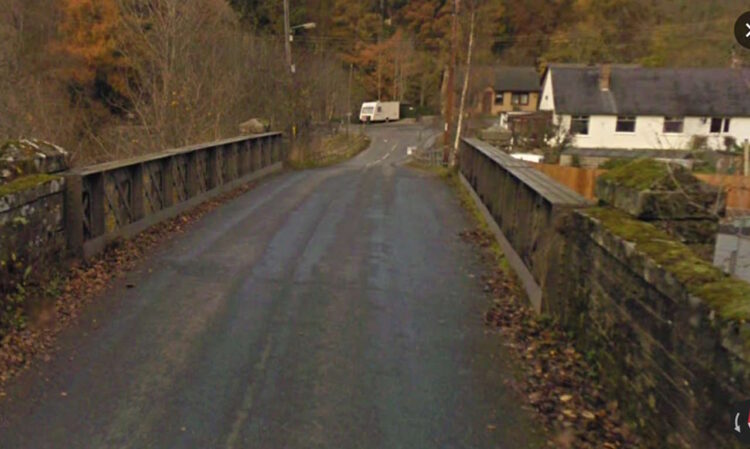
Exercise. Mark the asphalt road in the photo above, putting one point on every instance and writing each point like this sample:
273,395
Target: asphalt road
330,308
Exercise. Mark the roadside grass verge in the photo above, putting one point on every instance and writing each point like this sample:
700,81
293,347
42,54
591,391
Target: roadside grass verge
331,151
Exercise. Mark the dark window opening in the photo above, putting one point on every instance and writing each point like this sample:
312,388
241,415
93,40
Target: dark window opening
673,124
719,124
579,124
499,98
716,125
521,99
625,124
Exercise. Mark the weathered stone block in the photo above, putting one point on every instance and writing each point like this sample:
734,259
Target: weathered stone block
255,126
675,323
24,157
496,136
27,189
651,190
31,218
690,231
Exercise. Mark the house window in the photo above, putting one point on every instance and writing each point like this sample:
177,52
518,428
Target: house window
521,99
719,124
625,124
499,98
673,125
579,124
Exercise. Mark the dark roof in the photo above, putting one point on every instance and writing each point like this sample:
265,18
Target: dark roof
516,79
649,91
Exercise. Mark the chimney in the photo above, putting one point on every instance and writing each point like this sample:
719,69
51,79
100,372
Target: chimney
605,75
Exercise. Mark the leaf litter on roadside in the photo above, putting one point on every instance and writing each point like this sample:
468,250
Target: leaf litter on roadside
558,382
82,282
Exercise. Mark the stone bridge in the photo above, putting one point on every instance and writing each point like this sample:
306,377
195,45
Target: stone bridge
338,307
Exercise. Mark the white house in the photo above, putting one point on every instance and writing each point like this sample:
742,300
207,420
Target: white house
636,108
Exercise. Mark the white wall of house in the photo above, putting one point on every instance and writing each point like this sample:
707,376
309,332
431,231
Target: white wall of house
546,101
649,130
649,133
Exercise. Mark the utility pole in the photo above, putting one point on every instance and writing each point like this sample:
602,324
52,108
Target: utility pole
464,91
746,158
450,94
349,99
380,49
287,36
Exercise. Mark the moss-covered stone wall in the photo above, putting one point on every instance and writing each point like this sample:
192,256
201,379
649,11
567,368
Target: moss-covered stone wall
31,218
668,330
32,237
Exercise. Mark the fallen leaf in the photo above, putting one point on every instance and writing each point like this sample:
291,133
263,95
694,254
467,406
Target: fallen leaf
588,415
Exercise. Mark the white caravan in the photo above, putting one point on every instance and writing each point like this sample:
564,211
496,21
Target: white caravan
379,111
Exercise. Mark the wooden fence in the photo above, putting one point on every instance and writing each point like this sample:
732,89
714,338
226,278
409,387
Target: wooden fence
582,180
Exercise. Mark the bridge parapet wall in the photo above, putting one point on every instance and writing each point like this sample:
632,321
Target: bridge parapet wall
667,330
122,198
31,204
47,211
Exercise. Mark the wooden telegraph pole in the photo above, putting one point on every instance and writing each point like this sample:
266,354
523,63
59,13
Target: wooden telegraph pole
464,91
450,93
349,99
380,50
287,36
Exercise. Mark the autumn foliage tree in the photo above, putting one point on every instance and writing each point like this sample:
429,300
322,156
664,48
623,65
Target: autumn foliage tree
88,30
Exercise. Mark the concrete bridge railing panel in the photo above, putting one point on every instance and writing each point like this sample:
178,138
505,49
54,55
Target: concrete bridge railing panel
121,198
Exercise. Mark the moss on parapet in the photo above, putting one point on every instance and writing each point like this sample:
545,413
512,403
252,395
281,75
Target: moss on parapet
25,183
730,297
642,174
24,157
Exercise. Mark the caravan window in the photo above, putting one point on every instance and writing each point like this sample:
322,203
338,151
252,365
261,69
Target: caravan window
367,110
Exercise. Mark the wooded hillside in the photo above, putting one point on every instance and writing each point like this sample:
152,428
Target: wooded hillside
107,78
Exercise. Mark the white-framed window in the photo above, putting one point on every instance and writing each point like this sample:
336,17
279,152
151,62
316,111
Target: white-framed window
499,98
673,125
625,124
579,124
521,99
719,125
